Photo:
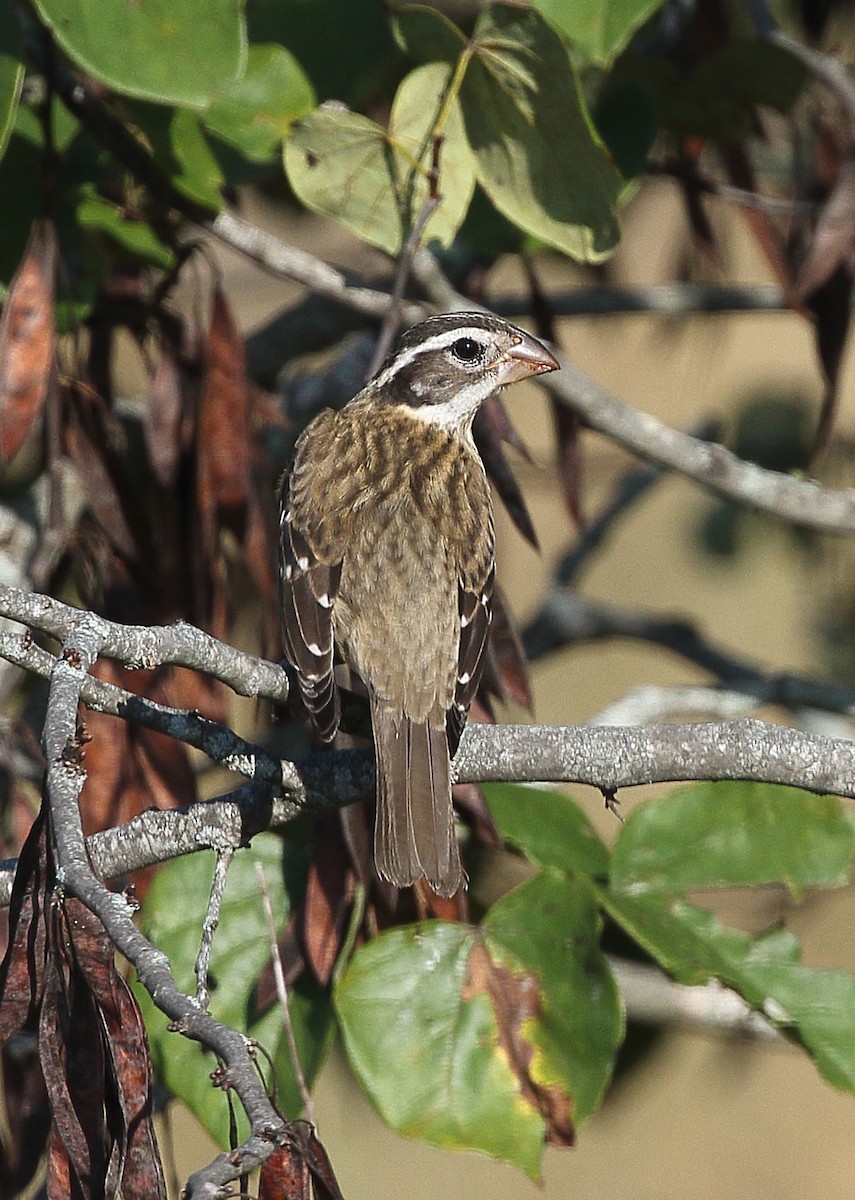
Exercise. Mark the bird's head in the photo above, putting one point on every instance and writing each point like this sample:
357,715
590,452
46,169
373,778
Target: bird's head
447,366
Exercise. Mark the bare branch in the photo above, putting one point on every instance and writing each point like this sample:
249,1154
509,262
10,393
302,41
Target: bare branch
655,299
798,501
64,780
654,999
606,758
147,646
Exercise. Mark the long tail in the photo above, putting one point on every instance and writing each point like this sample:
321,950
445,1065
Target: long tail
414,835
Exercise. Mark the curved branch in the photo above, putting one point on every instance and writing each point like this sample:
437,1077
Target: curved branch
147,646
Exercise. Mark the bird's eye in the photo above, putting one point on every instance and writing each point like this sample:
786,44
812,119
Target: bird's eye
467,350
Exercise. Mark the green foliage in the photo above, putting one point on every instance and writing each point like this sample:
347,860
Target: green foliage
428,1013
174,53
499,1034
599,27
173,915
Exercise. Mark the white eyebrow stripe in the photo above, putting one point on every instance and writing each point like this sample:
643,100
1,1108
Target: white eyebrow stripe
437,341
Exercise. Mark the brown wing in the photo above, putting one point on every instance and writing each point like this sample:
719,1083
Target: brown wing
308,583
475,609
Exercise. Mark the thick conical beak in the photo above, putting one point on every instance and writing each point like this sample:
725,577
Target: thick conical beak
527,357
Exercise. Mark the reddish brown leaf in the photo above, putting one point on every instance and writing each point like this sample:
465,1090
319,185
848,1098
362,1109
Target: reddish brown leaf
515,1000
85,447
568,439
761,224
329,897
27,340
324,1181
126,1044
834,238
163,417
130,768
61,1184
496,417
507,649
498,469
72,1059
223,441
27,1120
284,1176
23,966
469,799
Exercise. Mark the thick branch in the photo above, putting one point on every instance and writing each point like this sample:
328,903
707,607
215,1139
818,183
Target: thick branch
605,758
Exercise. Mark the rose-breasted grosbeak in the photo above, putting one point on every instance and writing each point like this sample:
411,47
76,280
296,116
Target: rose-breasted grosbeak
387,555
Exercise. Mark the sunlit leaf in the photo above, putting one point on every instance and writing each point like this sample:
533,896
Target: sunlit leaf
548,827
713,834
376,181
172,53
538,158
550,925
255,112
599,27
818,1006
423,1037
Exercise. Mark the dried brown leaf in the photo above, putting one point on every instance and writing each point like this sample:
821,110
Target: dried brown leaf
27,340
284,1175
329,897
23,966
507,650
26,1118
489,441
515,999
130,768
223,433
834,237
163,418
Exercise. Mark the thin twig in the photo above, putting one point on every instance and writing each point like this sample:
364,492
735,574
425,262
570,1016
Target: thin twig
282,997
224,859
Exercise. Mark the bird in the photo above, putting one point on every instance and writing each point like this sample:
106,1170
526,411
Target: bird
387,563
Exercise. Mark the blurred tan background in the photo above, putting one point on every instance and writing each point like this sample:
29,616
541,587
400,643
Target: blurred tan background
701,1117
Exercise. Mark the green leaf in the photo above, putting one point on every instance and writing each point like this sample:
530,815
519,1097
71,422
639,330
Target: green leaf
175,53
346,166
344,46
548,827
724,834
551,926
255,112
11,71
539,159
422,1035
241,950
599,27
180,147
411,127
137,238
817,1006
426,34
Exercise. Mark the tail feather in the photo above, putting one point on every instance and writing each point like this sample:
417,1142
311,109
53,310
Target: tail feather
414,835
